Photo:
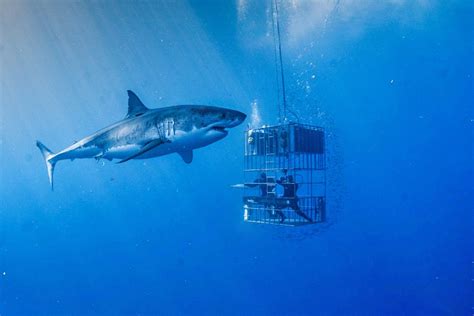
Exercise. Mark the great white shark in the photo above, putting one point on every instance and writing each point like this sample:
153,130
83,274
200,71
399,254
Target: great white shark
147,133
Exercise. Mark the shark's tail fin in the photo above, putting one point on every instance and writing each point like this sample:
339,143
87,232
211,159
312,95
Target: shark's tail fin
47,155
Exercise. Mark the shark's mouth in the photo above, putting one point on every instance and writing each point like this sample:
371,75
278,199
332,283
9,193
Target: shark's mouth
219,128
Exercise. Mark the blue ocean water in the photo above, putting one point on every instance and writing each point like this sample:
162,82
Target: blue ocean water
391,81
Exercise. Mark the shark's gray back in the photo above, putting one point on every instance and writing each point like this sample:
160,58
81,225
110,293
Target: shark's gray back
161,122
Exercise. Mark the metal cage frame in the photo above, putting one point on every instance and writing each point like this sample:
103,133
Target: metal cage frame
285,175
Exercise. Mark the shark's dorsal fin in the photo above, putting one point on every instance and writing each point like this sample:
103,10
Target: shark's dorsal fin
135,106
187,155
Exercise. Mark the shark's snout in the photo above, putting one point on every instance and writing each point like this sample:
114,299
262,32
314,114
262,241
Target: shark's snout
226,119
235,118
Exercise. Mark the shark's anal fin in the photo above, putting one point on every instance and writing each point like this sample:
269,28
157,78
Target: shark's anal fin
135,106
187,155
147,147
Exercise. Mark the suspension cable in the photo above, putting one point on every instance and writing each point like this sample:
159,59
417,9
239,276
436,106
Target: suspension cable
277,75
281,59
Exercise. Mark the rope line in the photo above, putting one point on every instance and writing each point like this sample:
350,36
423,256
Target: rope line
282,72
276,66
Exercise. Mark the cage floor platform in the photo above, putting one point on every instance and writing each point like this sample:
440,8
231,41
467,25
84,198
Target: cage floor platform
291,223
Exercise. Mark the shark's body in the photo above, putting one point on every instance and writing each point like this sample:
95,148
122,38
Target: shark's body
147,133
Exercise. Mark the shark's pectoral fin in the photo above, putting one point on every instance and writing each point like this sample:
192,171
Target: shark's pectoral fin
147,147
187,155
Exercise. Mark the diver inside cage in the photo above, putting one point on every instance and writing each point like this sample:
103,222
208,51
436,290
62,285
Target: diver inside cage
267,196
289,198
269,200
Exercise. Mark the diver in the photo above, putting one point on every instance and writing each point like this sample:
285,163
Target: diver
265,185
289,192
267,191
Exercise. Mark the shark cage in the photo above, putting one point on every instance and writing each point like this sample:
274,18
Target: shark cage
285,175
